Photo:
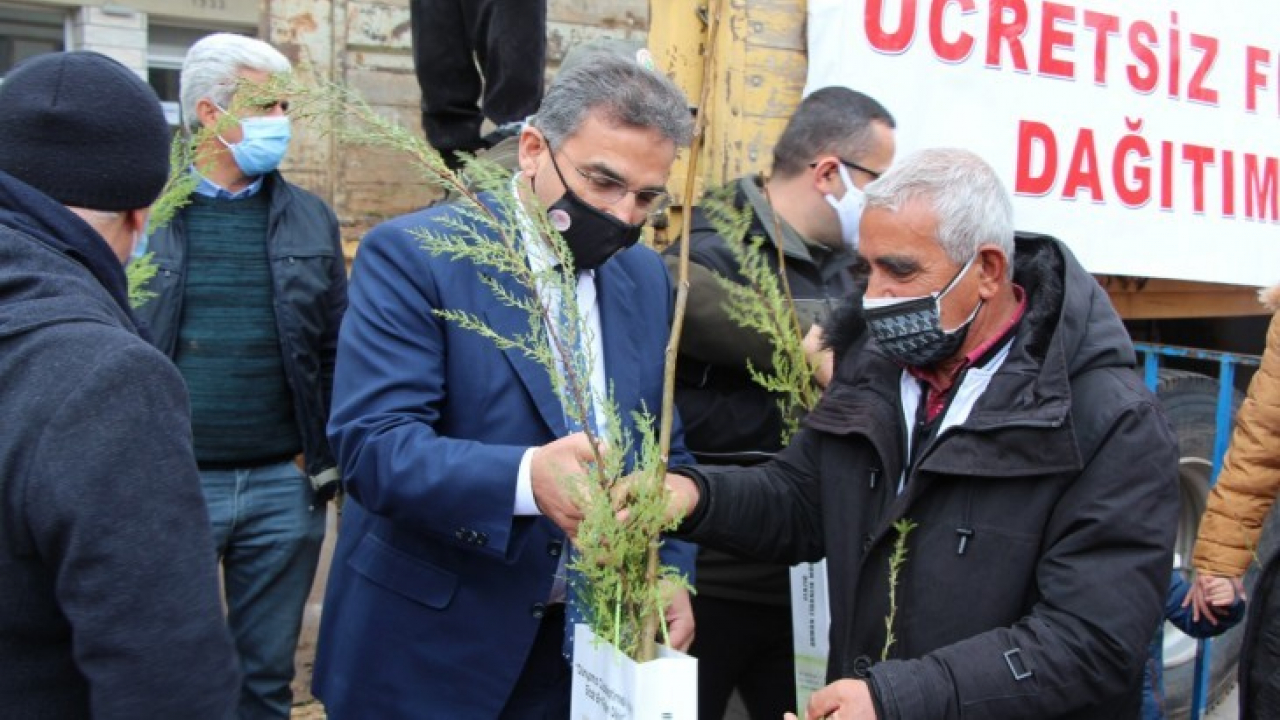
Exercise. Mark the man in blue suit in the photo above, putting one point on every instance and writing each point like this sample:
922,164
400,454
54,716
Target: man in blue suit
442,599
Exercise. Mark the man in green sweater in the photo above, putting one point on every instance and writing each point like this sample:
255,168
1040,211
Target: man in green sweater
250,290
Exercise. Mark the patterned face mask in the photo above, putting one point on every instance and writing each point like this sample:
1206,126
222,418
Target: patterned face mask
909,330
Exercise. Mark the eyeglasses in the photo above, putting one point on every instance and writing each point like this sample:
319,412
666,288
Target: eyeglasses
855,166
607,190
269,105
263,107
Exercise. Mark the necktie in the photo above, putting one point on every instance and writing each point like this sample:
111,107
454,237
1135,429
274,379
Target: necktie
577,345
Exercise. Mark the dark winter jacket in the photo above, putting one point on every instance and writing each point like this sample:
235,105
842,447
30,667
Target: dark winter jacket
310,287
1046,519
728,417
726,414
1260,651
109,602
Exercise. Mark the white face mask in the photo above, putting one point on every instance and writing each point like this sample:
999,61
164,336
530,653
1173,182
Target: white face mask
848,209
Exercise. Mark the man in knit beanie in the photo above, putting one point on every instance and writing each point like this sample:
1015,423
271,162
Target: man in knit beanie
248,306
108,589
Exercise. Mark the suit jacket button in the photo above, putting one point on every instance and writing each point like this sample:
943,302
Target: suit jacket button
866,543
554,548
538,610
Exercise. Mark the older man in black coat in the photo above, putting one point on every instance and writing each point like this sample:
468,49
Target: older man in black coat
997,409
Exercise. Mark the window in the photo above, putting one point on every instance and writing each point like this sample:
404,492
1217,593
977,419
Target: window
26,32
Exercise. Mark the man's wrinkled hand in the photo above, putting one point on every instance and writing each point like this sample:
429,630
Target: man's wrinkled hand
841,700
554,469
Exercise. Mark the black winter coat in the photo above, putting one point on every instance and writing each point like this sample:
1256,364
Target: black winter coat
109,602
1260,653
1045,520
309,279
726,413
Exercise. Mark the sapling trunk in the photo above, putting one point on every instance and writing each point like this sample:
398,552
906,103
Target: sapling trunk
649,632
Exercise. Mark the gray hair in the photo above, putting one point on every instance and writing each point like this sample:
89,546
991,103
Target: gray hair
212,66
831,120
971,204
628,95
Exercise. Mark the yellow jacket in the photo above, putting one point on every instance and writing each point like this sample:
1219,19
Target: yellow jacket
1250,477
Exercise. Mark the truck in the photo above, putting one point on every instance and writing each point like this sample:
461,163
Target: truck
1143,135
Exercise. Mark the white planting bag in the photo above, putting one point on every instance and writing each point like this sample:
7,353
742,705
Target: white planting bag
608,685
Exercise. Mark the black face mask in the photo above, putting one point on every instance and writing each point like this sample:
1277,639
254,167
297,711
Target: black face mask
593,236
909,330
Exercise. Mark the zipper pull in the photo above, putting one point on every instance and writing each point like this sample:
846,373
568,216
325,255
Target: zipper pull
965,534
874,476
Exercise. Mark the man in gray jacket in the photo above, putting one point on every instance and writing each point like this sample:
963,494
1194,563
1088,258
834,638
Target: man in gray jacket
109,601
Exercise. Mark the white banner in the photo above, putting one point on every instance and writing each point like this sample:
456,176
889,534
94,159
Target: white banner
608,685
1145,135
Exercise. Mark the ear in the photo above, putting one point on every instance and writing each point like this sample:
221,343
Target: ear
531,146
826,176
136,220
993,268
208,113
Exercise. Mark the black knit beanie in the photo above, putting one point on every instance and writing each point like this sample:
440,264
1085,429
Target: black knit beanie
84,130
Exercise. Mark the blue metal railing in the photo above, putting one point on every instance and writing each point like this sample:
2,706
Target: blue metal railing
1223,417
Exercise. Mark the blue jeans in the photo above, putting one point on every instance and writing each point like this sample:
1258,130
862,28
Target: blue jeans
268,533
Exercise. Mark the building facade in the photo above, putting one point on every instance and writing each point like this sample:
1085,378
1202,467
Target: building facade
364,44
148,36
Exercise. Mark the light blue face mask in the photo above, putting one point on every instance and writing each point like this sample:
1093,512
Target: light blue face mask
263,145
140,245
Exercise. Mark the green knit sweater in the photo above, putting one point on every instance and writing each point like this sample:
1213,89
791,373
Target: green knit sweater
228,348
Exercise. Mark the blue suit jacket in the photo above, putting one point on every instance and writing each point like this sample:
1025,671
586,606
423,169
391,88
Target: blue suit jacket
435,590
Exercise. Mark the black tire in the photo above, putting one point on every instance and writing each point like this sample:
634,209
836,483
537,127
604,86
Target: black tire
1190,401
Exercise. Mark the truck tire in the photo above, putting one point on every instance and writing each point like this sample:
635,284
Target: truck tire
1190,402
